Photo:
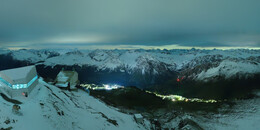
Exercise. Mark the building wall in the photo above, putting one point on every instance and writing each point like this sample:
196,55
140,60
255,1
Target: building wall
5,89
13,93
74,79
30,88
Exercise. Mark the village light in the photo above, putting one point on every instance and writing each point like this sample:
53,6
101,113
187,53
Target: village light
108,87
102,87
175,98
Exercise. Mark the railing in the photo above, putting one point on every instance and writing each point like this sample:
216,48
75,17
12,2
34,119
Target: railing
5,82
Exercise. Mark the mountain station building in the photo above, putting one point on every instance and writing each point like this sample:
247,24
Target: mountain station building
19,81
67,79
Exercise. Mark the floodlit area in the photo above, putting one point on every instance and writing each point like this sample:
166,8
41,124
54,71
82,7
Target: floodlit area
101,87
178,98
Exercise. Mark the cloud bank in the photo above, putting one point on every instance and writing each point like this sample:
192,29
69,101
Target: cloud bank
186,23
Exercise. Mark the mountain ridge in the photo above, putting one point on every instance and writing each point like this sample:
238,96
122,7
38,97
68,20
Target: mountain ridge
150,65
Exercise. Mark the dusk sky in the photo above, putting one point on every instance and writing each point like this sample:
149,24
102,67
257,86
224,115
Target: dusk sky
129,24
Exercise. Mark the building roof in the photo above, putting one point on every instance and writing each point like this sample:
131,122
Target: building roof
64,76
17,73
138,116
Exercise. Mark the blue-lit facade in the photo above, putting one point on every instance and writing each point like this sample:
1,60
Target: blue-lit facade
19,86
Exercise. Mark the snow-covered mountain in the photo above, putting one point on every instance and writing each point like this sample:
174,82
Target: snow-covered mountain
209,67
194,64
48,108
32,56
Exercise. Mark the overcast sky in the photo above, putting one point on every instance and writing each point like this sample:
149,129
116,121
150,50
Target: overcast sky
132,23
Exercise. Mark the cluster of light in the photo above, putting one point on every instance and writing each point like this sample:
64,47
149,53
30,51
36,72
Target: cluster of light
110,87
103,87
176,98
90,86
19,86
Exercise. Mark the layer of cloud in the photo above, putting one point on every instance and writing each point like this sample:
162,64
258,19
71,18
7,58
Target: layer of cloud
200,23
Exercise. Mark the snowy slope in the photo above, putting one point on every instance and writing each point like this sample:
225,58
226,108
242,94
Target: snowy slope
32,56
48,107
229,68
244,115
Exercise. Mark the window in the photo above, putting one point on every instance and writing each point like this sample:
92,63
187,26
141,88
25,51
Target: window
19,86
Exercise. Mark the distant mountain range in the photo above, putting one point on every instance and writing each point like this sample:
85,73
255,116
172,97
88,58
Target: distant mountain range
139,67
